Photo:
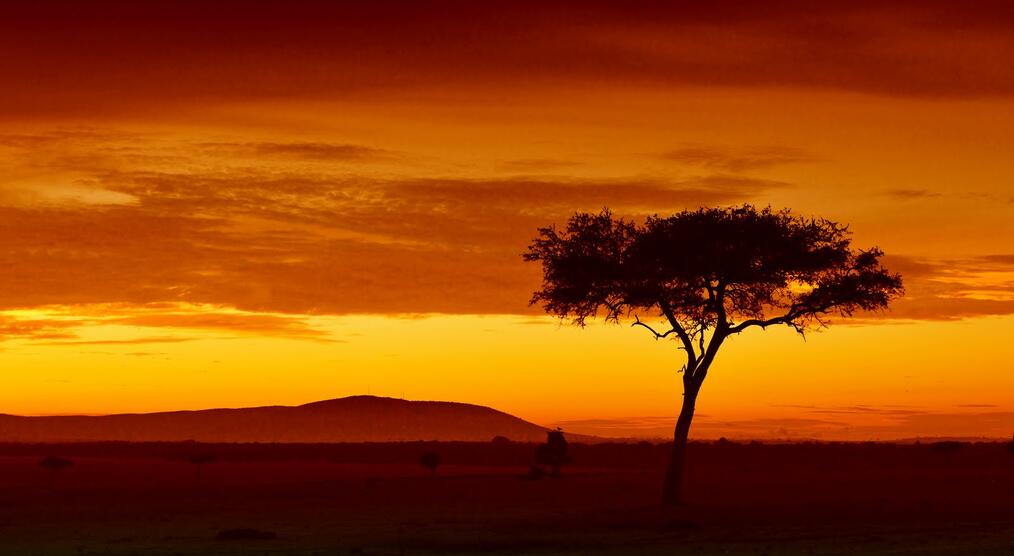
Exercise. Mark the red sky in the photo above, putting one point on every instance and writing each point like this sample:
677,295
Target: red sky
254,203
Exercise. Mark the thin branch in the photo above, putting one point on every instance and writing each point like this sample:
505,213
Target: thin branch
658,336
614,309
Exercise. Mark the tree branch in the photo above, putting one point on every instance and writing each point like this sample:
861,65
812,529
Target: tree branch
719,300
688,345
763,323
658,336
788,318
614,309
701,371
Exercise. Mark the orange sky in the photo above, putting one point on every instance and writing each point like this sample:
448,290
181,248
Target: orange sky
247,205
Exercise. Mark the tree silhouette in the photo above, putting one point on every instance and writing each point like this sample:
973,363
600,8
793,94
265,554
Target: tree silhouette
553,453
54,465
708,274
199,461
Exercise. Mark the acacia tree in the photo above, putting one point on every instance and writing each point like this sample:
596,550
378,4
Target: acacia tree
707,274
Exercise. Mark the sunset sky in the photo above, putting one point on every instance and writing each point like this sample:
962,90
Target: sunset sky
256,204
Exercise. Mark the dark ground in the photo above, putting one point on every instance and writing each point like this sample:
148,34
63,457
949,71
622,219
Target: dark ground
375,499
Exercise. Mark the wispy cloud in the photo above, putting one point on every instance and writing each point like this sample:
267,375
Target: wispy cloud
75,325
913,194
953,288
737,160
304,150
125,341
294,239
826,46
35,328
527,165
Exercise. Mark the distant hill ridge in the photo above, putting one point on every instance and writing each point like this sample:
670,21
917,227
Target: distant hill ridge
351,419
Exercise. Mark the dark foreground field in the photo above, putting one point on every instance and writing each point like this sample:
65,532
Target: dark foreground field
375,499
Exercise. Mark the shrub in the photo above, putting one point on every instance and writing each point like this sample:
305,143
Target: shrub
430,460
55,463
245,534
534,473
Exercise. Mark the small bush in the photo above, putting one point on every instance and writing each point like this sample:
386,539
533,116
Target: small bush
430,460
201,459
946,446
55,463
534,473
245,534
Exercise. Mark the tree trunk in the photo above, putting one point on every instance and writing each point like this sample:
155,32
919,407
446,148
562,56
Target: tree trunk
672,488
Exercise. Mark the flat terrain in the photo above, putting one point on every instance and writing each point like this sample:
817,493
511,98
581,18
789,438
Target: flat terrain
332,499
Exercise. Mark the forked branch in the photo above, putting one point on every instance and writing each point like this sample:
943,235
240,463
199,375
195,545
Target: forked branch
658,336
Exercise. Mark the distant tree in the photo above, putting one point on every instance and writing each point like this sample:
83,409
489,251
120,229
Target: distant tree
1010,445
708,274
54,465
553,453
199,461
430,460
499,440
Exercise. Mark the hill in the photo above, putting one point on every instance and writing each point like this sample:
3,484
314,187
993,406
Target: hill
351,419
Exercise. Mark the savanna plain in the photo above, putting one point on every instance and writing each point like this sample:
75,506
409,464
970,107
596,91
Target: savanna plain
274,499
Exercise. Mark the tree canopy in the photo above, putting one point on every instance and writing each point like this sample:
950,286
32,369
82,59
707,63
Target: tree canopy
721,270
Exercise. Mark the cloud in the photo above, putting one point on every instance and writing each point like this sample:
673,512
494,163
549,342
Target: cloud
64,324
35,328
737,160
1004,260
208,229
912,194
526,165
166,54
295,240
924,194
235,322
127,341
305,150
952,289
